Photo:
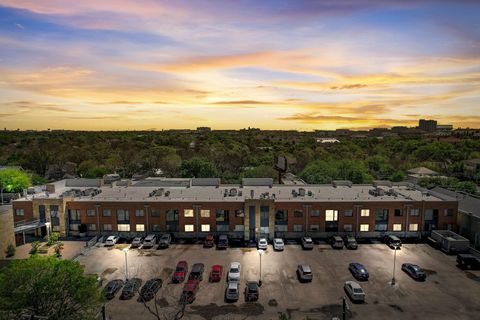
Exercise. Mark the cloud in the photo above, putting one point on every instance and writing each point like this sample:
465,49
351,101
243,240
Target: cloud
19,26
241,102
349,86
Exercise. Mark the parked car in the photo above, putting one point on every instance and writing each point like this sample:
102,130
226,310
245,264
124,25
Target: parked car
137,242
189,292
354,291
216,273
414,271
112,288
307,243
112,240
393,241
468,261
304,272
197,272
358,271
336,242
278,244
350,242
180,272
233,291
130,288
251,291
165,240
150,241
209,241
262,244
150,288
234,271
222,241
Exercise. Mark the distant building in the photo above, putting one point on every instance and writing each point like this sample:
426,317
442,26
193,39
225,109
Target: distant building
327,140
444,127
471,168
427,125
203,129
416,174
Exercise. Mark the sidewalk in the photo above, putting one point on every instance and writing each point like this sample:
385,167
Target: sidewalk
70,250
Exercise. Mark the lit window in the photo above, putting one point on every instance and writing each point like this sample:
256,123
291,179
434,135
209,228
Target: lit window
205,213
189,227
364,227
413,227
123,227
397,227
365,213
331,215
140,227
19,212
188,213
205,228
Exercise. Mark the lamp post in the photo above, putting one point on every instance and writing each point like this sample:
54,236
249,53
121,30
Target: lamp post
394,263
260,253
126,263
47,224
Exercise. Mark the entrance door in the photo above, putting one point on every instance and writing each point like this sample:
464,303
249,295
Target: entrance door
251,215
41,210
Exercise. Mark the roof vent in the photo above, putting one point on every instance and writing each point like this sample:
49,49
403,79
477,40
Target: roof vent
252,193
301,192
310,193
233,192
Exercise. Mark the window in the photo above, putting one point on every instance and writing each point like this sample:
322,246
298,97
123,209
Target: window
414,212
297,228
54,211
364,227
91,212
348,213
188,213
281,215
74,227
347,228
139,213
429,214
398,213
222,227
331,215
74,214
239,213
397,227
297,213
413,227
448,213
239,228
381,227
365,213
155,227
281,227
155,213
140,227
189,227
205,228
381,215
19,212
315,213
107,227
314,227
447,226
122,215
222,216
91,227
172,215
205,213
123,227
107,213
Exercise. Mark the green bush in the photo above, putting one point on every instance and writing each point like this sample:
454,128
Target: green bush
53,239
10,250
35,246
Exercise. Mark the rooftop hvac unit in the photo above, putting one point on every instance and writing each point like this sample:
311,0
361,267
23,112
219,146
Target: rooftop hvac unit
233,192
310,193
301,192
239,193
252,193
167,193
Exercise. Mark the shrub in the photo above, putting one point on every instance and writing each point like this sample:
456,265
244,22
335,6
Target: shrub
10,250
35,246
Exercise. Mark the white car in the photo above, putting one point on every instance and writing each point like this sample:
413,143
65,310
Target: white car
234,271
354,291
262,244
111,240
278,244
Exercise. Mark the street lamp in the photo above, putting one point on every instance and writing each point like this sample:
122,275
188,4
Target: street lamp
394,263
126,263
260,253
47,224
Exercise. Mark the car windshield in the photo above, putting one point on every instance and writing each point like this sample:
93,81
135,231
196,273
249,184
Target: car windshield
180,269
357,290
232,290
278,241
234,270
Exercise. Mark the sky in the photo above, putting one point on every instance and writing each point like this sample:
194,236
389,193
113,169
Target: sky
270,64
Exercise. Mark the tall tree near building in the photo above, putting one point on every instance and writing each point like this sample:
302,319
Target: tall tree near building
12,180
48,287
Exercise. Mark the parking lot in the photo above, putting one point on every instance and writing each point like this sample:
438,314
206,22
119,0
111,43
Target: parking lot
448,292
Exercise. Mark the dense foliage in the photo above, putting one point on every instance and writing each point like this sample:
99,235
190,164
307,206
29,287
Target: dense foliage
12,180
231,155
48,287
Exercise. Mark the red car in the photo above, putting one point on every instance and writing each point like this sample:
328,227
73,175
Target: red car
180,272
216,273
209,241
189,291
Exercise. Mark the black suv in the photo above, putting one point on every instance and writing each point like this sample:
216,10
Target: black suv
112,288
150,288
468,261
130,288
197,272
222,241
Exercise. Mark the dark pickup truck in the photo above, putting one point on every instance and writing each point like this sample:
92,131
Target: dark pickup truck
468,261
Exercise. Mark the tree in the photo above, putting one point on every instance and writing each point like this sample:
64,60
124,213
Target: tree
198,167
397,176
48,287
13,180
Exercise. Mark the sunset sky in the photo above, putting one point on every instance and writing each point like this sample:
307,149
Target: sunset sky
306,65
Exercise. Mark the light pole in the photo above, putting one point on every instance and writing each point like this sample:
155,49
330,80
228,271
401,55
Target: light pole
47,224
394,262
260,253
126,263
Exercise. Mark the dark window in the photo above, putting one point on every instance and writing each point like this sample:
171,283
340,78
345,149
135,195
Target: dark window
222,216
171,215
122,215
448,212
239,213
281,215
297,213
398,213
315,213
107,213
91,212
155,213
74,214
155,227
348,213
381,215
